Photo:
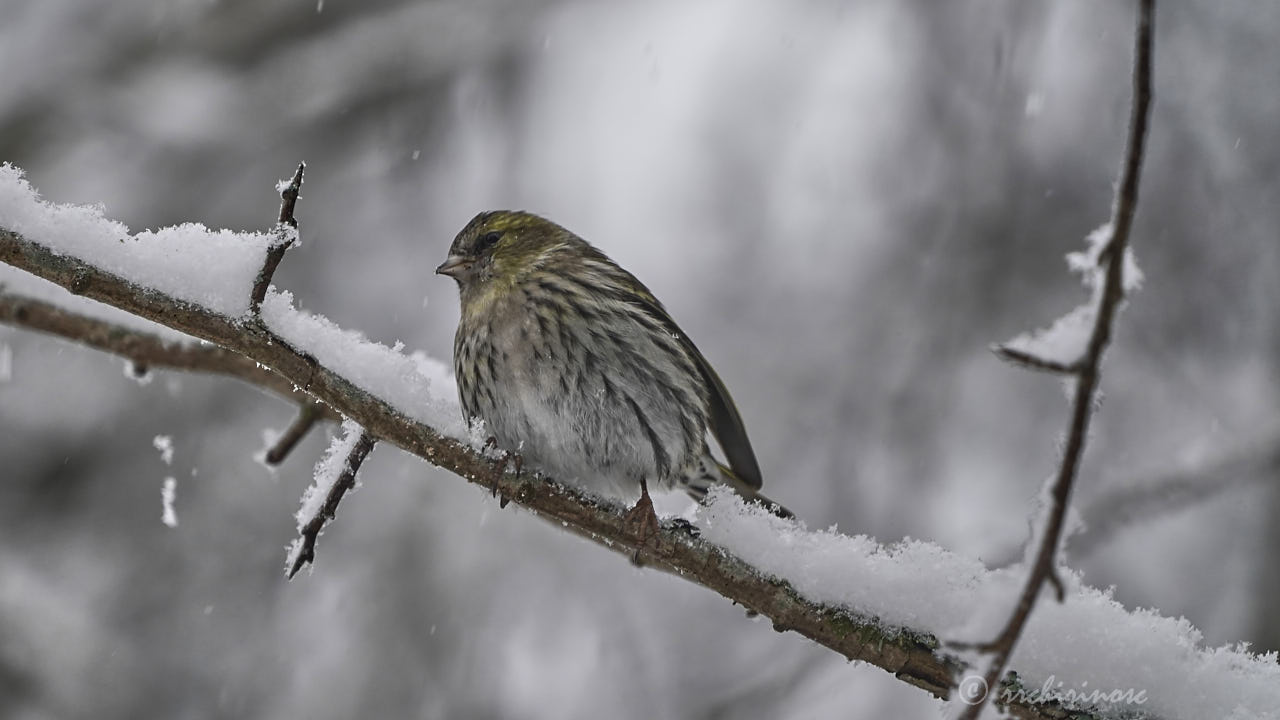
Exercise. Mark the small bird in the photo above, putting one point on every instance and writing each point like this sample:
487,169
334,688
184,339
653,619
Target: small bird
573,364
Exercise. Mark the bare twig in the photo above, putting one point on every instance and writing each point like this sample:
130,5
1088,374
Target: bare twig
289,197
1082,408
144,349
1110,512
286,233
310,412
1034,362
1143,500
346,480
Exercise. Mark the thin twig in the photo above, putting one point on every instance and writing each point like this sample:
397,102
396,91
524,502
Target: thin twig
346,481
310,413
289,197
1035,362
1132,502
1082,409
144,349
1168,493
286,233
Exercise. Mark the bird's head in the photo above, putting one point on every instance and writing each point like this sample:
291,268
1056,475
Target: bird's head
497,247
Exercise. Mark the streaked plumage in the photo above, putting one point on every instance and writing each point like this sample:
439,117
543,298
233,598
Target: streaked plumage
575,365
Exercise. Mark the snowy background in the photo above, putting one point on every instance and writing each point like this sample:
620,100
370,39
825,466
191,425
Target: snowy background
843,203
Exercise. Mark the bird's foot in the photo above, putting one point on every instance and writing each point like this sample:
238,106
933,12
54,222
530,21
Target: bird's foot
499,468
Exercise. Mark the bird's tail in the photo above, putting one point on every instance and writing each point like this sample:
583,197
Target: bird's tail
716,473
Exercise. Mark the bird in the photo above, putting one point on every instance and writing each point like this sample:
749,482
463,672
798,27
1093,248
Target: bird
573,364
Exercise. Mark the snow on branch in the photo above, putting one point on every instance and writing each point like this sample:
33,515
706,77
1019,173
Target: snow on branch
386,397
884,605
1064,346
189,263
335,475
880,604
1109,272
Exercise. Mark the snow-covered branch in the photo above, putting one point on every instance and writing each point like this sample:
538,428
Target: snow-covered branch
884,605
335,477
678,548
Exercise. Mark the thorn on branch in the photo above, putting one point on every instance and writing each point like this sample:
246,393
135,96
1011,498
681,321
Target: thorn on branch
286,236
304,547
310,412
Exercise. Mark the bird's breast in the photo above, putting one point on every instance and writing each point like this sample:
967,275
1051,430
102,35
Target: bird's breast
591,399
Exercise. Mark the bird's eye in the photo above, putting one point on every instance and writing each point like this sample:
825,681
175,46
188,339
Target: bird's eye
487,240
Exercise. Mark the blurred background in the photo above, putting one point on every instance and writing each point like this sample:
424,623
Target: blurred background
844,203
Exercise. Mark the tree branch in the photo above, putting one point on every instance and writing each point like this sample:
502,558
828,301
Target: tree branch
143,348
308,415
304,551
1171,492
1046,558
286,234
1034,362
912,656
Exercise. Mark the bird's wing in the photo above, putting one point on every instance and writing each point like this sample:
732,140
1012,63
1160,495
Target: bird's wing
726,423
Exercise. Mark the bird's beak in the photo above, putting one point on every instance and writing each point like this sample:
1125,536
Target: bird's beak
453,266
